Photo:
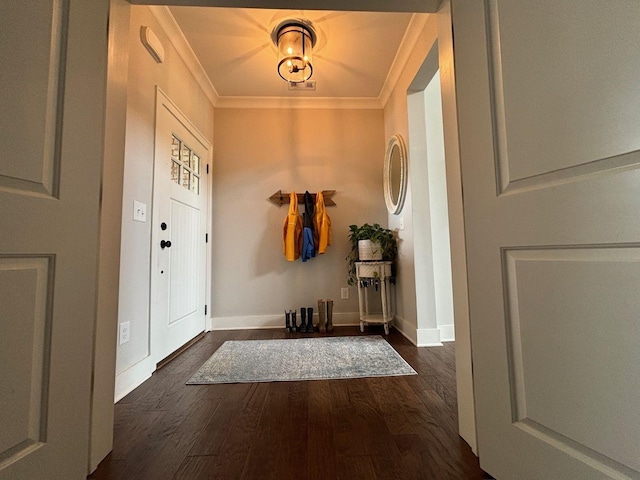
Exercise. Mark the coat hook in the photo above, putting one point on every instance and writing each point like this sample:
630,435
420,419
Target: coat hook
281,198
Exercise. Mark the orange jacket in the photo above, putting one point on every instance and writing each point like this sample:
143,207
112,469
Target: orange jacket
321,225
292,230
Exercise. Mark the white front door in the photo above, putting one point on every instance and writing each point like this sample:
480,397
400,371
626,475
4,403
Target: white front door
52,73
549,122
178,271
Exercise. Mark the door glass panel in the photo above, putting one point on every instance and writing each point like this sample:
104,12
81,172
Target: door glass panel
185,155
185,166
195,164
175,172
175,148
185,178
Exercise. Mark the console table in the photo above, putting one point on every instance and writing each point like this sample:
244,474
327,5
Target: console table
367,275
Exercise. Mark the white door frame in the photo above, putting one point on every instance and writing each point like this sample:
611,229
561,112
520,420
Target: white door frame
464,368
111,214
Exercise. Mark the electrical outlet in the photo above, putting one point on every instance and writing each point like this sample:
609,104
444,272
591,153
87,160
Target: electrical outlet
125,328
139,211
344,293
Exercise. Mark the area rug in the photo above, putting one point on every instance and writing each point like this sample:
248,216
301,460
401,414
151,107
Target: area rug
246,361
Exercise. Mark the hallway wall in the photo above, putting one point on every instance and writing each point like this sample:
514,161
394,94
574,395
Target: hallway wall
174,79
396,121
260,151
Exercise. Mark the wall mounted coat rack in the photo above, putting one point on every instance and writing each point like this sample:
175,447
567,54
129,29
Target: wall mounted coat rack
281,198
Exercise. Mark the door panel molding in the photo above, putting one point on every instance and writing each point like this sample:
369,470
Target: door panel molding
184,259
553,364
30,163
26,282
532,154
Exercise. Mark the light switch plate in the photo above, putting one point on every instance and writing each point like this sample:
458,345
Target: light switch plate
344,293
139,211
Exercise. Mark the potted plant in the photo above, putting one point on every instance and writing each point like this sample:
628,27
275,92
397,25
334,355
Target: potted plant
382,239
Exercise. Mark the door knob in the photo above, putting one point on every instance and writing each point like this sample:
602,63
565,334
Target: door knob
165,243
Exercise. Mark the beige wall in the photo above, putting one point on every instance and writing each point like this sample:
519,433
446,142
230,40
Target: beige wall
174,79
260,151
396,122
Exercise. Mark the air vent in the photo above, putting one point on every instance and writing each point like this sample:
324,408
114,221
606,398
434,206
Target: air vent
307,86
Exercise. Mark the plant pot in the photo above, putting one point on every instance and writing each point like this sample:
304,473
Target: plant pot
368,251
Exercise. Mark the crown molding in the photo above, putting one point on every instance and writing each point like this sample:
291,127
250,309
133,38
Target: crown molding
407,45
168,23
362,103
409,40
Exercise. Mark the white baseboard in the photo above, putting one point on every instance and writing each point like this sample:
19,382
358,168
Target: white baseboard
428,337
424,337
447,333
253,322
134,376
406,329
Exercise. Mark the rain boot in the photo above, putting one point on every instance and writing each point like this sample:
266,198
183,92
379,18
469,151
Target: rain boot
294,327
322,326
310,319
303,320
287,322
329,315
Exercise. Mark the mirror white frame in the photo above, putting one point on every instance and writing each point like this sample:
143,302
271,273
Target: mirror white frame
395,174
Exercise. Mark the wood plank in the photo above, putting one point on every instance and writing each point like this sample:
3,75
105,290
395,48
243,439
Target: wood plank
376,428
356,468
198,468
321,451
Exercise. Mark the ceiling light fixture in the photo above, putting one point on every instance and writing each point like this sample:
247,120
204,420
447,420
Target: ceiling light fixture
295,40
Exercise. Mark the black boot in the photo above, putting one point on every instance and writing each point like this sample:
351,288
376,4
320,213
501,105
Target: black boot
310,319
294,322
287,321
303,320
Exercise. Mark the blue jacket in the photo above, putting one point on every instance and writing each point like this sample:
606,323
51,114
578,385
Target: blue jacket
308,248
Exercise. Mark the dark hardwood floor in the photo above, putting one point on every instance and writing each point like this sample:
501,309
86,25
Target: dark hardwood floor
371,428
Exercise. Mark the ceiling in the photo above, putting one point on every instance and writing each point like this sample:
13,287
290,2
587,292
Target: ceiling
353,57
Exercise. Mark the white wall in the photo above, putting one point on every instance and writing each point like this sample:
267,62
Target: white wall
104,364
437,27
176,81
260,151
432,256
426,311
397,122
439,211
464,369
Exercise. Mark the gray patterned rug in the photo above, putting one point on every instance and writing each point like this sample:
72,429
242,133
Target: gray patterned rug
245,361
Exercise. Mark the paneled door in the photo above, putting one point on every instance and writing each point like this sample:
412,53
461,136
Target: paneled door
52,75
178,272
549,122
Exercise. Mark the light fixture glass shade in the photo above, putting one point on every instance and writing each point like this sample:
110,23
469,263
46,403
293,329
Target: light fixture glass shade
295,52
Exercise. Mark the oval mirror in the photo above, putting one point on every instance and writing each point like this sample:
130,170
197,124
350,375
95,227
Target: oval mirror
395,174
